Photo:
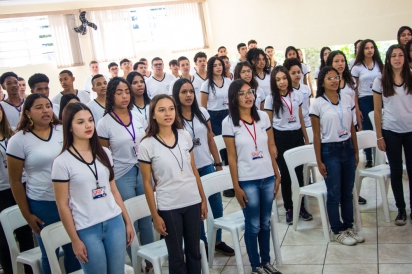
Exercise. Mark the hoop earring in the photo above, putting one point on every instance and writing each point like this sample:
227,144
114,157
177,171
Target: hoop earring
31,121
51,121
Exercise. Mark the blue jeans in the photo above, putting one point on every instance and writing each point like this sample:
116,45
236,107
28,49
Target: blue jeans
216,118
105,243
131,185
48,213
366,106
216,205
260,194
339,160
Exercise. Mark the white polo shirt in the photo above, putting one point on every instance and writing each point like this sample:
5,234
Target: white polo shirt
97,110
365,78
251,164
199,132
155,87
13,113
317,73
397,113
86,211
304,89
175,188
218,99
282,122
328,114
351,92
197,84
4,175
88,86
143,113
38,156
83,96
264,83
305,70
124,149
260,97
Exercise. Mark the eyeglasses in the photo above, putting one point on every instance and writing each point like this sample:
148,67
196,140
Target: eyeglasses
246,71
243,93
337,78
158,65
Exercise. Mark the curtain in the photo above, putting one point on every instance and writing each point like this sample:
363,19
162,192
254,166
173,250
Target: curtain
66,40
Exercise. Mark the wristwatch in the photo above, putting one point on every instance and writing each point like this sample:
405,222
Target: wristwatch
218,164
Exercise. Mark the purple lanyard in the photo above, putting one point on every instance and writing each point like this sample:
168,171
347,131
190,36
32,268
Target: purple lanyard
131,121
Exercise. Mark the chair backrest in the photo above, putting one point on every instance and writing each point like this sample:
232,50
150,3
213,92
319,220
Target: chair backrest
298,156
372,118
216,182
309,131
366,139
53,237
11,219
220,144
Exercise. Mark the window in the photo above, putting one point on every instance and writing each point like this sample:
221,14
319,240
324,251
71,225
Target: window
25,41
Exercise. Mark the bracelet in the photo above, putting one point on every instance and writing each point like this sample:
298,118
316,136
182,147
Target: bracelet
379,139
218,164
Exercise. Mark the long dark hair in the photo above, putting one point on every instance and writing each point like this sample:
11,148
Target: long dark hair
289,49
130,78
322,60
321,80
24,123
5,128
274,90
209,74
64,101
234,89
111,90
153,127
388,75
236,74
253,55
361,54
97,150
408,47
346,75
194,108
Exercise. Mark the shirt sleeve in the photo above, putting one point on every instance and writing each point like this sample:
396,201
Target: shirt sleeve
227,127
15,147
59,171
355,71
103,130
314,108
204,88
205,113
188,138
269,103
145,155
109,155
265,120
377,85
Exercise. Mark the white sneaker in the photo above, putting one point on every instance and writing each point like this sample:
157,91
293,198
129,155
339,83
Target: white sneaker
359,238
344,238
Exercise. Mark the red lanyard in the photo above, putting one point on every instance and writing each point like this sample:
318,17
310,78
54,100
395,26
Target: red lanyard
254,130
291,104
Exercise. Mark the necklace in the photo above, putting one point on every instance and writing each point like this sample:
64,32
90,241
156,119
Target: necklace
181,157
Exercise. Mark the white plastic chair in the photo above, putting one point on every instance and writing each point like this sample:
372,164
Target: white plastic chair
156,252
378,156
309,167
11,219
220,144
234,223
55,236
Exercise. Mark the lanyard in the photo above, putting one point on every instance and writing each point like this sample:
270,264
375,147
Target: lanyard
291,104
144,109
18,108
96,176
192,126
340,107
254,130
4,147
133,135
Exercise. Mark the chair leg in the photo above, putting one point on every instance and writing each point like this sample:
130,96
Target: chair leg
384,195
275,240
313,171
356,210
36,268
137,264
324,218
211,238
297,201
238,251
358,183
306,174
205,266
157,267
275,210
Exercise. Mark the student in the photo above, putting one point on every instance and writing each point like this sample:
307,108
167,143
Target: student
37,142
213,93
121,130
24,235
324,53
174,68
141,102
242,50
269,50
244,71
13,104
336,149
199,71
83,175
22,88
284,107
113,70
368,65
394,127
248,136
126,66
141,68
159,82
356,48
65,100
408,48
221,51
167,152
39,83
226,61
252,44
294,66
98,105
148,72
67,79
94,69
404,35
260,64
196,121
292,52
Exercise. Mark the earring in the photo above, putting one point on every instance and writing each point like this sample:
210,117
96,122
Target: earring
51,121
31,121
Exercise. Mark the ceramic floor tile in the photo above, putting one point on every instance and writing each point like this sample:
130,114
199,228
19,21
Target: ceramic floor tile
395,235
358,254
351,268
395,268
304,237
395,253
231,269
368,219
310,254
299,269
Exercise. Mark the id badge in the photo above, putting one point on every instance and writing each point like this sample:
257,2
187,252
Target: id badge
342,133
291,119
5,163
99,192
196,142
135,150
370,86
257,155
224,102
